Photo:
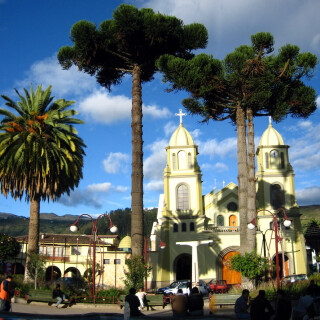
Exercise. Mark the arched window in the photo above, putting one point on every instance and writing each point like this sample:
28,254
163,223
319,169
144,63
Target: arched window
220,221
182,157
232,206
233,221
175,227
184,227
191,226
189,161
282,160
183,197
276,196
267,160
174,161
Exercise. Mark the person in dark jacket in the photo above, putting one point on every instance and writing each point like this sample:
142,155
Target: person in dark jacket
179,304
58,294
134,303
242,304
195,303
259,306
283,307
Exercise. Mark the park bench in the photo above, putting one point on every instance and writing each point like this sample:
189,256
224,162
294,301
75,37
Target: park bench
42,296
224,299
152,300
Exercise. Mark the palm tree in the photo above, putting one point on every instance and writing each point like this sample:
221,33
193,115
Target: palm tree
41,156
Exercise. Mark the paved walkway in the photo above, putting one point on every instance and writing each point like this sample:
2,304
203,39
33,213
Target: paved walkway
36,309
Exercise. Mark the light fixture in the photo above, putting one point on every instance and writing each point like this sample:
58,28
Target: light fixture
287,223
74,228
114,229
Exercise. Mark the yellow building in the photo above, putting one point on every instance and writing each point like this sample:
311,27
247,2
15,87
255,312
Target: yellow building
201,232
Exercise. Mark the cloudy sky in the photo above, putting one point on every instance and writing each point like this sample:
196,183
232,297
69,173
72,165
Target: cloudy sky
31,33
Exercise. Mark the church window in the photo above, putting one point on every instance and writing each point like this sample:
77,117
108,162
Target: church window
174,161
183,197
232,206
276,196
267,160
189,160
232,221
191,226
184,227
220,221
282,160
182,160
175,227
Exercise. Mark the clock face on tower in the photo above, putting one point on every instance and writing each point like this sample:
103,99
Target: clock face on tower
274,154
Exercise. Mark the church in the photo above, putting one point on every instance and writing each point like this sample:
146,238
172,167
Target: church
201,232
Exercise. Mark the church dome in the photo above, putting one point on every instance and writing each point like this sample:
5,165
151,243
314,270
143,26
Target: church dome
271,137
125,243
181,137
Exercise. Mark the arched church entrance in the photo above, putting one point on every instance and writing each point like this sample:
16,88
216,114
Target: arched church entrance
283,267
53,273
182,266
231,276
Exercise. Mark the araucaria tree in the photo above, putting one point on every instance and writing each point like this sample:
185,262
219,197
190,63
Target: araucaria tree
130,43
41,155
249,82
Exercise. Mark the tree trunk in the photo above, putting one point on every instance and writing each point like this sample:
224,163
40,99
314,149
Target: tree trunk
33,238
137,165
251,238
242,177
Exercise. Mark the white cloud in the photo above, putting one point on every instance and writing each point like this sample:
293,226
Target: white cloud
195,133
99,187
221,167
318,102
169,128
223,148
154,165
64,82
154,185
308,196
155,112
120,189
304,124
116,162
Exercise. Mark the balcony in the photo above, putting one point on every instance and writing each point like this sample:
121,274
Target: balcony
224,229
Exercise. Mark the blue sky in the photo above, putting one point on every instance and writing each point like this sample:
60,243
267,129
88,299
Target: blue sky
31,33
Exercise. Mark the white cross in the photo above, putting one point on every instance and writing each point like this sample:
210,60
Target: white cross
180,114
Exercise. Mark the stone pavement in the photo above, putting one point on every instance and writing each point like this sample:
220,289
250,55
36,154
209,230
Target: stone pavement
35,309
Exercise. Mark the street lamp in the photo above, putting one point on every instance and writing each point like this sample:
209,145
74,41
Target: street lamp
162,245
74,227
275,227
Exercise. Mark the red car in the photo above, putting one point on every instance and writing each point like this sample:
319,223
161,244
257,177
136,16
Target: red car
218,286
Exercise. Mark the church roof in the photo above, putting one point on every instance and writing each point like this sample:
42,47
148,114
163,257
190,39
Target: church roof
181,137
271,137
125,242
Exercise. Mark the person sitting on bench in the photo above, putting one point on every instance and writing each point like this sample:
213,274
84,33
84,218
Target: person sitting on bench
58,294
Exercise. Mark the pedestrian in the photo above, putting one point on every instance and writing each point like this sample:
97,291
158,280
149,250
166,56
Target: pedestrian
283,307
134,303
142,297
195,303
179,304
304,307
5,294
242,304
58,294
261,308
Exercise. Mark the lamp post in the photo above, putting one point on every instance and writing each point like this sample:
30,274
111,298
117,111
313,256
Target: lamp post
74,227
162,245
275,227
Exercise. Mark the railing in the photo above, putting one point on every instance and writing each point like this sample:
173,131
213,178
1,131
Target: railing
222,229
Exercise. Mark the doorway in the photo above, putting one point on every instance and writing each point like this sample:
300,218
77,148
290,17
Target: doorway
182,267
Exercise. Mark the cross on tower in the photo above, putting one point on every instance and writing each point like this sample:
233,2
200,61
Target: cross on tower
180,114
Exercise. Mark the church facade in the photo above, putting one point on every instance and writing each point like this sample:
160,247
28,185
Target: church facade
202,231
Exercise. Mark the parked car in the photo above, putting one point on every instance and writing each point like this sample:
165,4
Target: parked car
218,286
173,285
203,288
294,278
184,285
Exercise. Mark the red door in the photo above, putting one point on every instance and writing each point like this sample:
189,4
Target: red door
231,276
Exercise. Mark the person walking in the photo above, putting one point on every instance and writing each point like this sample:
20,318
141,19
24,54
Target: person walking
195,303
242,304
261,308
5,294
58,294
179,304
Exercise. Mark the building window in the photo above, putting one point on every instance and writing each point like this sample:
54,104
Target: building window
175,227
276,196
232,206
184,227
116,261
267,160
189,161
191,226
183,197
282,160
220,221
75,251
106,261
174,161
232,221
